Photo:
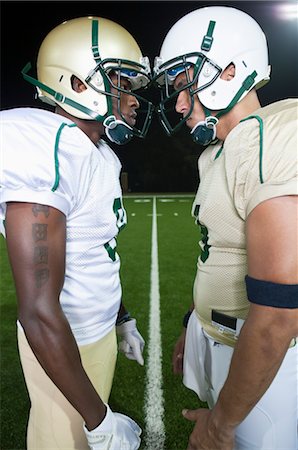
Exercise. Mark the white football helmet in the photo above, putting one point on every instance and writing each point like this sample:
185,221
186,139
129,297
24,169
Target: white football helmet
91,48
209,40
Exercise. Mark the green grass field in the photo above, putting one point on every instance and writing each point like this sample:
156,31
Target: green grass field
177,252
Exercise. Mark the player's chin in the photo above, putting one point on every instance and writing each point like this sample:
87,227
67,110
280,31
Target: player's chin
131,120
189,123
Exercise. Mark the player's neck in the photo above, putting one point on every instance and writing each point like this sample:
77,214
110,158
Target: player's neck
243,109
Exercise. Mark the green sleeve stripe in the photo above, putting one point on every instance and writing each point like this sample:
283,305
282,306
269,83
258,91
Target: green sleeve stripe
56,158
258,118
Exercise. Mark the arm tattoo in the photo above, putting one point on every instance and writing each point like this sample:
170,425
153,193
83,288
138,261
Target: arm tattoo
39,232
36,209
41,255
41,277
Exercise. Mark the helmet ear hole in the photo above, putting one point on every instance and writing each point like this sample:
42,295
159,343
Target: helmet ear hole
229,73
76,84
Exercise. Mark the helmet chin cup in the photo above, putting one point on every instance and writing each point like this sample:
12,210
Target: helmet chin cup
117,130
204,131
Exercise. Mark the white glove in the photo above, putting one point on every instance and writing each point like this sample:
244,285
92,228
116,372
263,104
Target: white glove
132,343
116,432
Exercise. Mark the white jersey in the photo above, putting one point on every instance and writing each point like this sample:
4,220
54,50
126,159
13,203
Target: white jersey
47,159
257,162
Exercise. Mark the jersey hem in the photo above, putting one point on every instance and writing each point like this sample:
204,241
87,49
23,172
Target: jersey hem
268,191
42,197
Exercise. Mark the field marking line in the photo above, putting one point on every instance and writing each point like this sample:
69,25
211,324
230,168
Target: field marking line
151,196
154,400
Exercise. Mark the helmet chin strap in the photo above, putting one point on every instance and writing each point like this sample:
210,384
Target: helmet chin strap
204,131
117,130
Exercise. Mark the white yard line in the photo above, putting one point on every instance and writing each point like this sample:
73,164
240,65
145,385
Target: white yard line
154,401
149,196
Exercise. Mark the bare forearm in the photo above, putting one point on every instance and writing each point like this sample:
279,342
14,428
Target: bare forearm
53,344
256,360
36,242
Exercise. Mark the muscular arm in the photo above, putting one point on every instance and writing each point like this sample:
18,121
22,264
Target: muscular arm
265,337
264,340
36,237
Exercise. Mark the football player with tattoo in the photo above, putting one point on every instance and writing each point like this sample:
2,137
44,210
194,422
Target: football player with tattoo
239,350
62,209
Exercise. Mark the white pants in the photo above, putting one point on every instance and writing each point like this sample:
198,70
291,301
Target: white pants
272,424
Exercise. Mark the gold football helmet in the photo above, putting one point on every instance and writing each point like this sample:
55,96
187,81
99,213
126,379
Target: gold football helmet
91,49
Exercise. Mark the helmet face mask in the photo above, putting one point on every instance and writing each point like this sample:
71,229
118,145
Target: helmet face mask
90,49
107,79
166,74
211,38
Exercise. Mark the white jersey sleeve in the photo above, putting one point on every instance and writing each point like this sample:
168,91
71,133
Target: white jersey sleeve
39,151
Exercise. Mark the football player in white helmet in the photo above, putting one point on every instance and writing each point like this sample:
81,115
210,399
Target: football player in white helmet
62,205
239,350
202,57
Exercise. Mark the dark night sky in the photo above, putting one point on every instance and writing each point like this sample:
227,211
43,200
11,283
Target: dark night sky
151,163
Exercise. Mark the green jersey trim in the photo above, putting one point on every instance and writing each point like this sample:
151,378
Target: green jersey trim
56,158
261,127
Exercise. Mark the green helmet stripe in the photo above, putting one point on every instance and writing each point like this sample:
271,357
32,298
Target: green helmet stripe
95,49
208,38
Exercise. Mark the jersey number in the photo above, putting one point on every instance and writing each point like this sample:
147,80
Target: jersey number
120,214
204,233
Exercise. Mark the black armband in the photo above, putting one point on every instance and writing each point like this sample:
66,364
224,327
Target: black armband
125,318
271,294
186,319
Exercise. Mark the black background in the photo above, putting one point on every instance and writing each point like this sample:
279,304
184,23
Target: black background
159,163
